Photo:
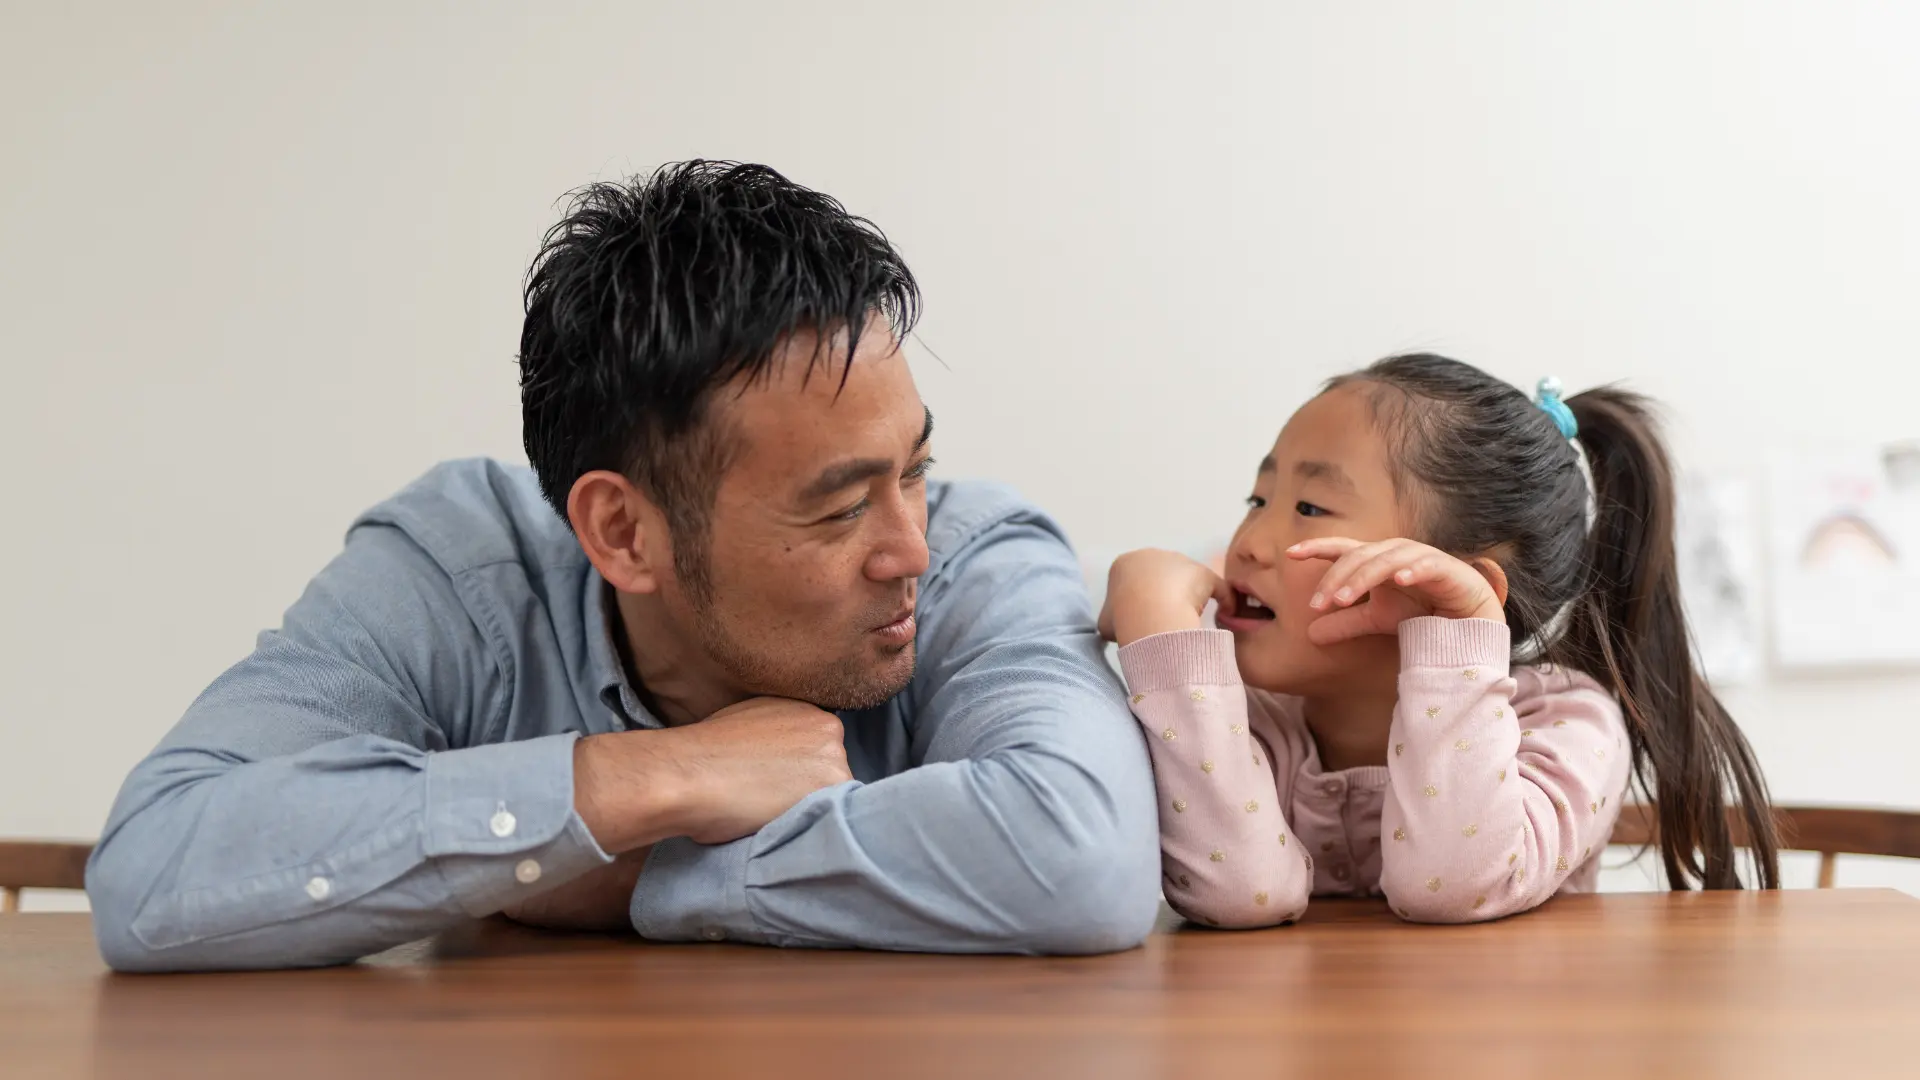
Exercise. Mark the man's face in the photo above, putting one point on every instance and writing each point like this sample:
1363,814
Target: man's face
817,536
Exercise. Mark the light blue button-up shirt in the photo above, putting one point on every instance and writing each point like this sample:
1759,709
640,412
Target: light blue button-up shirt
398,757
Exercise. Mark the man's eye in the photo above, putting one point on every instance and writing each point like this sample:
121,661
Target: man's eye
920,471
852,513
1307,509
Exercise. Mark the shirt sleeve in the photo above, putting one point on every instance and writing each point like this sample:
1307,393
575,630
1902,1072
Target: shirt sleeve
1227,859
1492,802
327,798
1026,824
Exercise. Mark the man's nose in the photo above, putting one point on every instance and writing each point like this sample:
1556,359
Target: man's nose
902,550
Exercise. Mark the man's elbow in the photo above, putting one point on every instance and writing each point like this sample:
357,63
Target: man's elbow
115,891
1094,929
124,887
1100,903
126,953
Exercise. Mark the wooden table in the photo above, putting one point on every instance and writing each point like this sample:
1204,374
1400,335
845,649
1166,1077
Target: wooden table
1620,986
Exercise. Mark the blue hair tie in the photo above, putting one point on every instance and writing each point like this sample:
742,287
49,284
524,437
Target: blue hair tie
1548,398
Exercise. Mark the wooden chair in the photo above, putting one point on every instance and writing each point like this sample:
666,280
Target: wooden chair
1832,831
39,864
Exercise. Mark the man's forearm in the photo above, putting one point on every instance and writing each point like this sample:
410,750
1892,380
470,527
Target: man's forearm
713,782
402,845
627,789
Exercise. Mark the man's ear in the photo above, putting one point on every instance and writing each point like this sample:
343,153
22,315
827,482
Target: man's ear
1496,577
620,529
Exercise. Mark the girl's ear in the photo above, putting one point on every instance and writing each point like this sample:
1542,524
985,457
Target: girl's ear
1496,577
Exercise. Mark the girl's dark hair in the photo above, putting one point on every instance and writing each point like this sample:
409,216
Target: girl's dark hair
1494,476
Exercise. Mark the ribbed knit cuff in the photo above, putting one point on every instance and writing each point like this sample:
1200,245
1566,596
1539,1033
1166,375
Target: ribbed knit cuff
1433,642
1180,658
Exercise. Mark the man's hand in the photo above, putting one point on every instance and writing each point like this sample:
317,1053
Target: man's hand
714,781
749,763
1151,592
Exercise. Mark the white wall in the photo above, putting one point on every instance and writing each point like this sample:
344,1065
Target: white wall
259,266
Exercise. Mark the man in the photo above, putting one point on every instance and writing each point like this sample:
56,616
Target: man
725,665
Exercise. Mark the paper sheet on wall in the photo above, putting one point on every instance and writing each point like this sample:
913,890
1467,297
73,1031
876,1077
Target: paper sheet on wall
1844,547
1717,540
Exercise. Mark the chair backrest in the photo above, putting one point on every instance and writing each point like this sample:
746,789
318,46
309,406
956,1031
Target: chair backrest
1830,830
39,864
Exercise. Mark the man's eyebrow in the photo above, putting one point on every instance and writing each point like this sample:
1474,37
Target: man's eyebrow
845,474
1323,470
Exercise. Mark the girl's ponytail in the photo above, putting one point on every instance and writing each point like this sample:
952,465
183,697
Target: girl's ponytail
1628,627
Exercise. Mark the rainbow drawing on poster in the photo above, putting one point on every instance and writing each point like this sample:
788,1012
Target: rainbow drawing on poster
1844,546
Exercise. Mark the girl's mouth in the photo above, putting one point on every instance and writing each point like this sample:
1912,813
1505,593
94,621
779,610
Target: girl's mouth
1248,613
1248,606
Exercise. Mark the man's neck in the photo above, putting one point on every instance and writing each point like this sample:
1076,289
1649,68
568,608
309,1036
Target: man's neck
676,680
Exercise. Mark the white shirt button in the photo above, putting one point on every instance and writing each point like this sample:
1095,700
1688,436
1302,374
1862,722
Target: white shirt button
527,872
714,933
319,888
502,823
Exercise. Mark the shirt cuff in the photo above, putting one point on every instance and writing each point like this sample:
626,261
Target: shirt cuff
695,892
500,821
1434,642
1180,658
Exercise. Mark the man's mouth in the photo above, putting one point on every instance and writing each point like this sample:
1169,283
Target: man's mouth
899,629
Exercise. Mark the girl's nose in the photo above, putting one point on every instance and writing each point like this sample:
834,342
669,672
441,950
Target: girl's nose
1249,548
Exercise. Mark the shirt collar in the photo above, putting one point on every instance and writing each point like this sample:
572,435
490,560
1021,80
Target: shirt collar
603,656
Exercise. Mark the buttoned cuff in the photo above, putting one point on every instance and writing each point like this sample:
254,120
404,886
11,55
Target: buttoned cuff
695,892
500,821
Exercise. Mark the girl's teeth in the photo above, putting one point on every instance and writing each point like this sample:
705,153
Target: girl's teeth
1254,602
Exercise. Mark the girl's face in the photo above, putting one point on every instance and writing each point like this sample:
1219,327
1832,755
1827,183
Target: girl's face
1327,475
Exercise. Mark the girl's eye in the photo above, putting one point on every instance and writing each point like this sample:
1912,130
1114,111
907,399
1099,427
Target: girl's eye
1307,509
1255,502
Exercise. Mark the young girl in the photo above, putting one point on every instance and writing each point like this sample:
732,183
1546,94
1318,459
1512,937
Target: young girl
1451,721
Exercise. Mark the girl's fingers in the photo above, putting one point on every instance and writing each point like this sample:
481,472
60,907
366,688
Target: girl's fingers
1352,552
1424,569
1360,567
1441,578
1223,593
1418,579
1325,547
1338,585
1342,625
1374,571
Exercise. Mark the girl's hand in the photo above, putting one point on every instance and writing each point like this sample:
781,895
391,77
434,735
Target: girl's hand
1399,580
1152,592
